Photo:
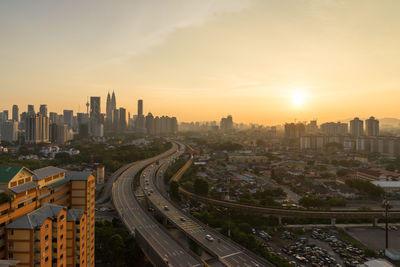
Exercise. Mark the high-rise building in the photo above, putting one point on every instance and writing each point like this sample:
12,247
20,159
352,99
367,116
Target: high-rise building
113,101
95,109
372,127
226,123
15,113
53,117
140,107
294,130
122,119
37,129
31,109
150,123
108,111
5,115
68,117
356,127
9,131
334,129
43,110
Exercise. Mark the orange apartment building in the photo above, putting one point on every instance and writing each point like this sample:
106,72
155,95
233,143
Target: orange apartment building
41,197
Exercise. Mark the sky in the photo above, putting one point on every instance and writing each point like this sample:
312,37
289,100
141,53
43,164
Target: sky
262,61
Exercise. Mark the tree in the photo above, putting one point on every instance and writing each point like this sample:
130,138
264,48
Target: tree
174,190
201,186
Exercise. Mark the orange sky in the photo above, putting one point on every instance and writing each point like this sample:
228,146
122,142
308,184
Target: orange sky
263,61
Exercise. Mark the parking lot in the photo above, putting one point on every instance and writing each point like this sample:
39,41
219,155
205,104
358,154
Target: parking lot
375,237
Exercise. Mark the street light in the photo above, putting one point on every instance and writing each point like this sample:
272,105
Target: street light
386,204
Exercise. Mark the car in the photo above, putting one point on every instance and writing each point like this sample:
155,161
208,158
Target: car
182,219
209,238
166,208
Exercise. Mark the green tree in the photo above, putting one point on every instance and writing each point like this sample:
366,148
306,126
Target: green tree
174,190
201,186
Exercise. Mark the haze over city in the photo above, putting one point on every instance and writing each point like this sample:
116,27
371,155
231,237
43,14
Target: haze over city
265,62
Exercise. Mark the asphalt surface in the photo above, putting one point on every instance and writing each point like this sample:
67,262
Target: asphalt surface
134,217
226,250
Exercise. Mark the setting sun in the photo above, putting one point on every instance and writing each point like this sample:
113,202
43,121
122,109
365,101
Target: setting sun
298,98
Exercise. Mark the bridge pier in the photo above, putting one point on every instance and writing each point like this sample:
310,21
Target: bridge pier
375,222
333,221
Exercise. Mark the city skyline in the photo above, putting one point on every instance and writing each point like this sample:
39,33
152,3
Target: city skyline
316,59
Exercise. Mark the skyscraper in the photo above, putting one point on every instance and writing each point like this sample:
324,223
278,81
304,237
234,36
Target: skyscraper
9,131
15,113
5,115
37,129
108,108
113,101
356,127
140,107
68,117
31,110
372,127
43,110
122,119
95,107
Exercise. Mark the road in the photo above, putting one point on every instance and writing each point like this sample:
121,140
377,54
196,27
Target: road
135,218
226,250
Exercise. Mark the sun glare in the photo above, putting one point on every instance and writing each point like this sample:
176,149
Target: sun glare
298,98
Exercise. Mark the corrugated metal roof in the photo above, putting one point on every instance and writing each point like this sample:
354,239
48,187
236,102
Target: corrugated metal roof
46,172
59,182
78,176
391,184
36,218
23,187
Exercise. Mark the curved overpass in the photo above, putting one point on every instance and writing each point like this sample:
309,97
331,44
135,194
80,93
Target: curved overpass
228,252
155,242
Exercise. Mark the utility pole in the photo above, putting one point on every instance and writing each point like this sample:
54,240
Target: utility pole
386,204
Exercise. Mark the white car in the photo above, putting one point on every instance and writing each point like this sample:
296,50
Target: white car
209,238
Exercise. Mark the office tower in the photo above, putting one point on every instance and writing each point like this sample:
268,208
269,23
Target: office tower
22,124
15,113
113,101
356,127
150,123
9,131
31,110
95,107
68,117
58,230
108,110
157,125
37,129
43,110
122,119
53,117
5,115
334,129
140,107
372,127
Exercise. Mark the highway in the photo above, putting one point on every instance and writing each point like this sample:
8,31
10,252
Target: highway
135,218
228,252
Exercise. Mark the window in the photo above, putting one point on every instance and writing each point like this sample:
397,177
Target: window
47,226
10,255
61,217
52,200
46,237
47,259
11,232
61,247
10,244
61,256
47,248
62,226
62,236
20,205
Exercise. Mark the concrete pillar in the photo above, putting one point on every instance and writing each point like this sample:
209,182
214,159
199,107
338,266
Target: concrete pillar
165,221
333,221
375,222
280,220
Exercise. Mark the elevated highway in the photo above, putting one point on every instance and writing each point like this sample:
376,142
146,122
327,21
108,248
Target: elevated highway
227,252
162,250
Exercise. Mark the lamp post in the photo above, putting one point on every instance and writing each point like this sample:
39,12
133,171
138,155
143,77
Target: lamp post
386,205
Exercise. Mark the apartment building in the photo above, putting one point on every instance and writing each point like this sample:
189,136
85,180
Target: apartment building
26,194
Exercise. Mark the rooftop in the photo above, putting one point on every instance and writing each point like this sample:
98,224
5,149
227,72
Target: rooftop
9,172
46,172
36,218
74,215
78,176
